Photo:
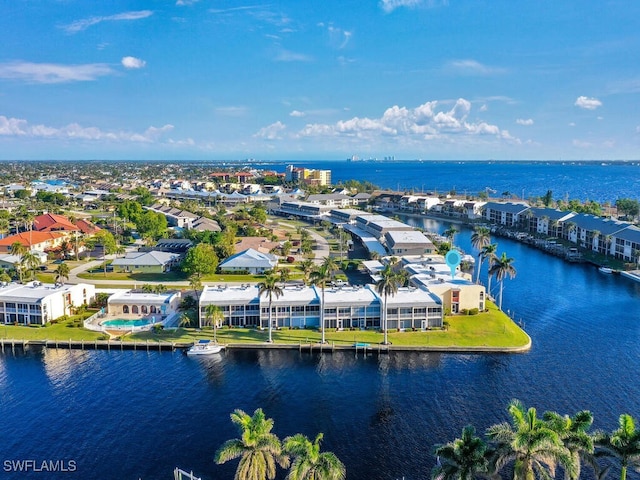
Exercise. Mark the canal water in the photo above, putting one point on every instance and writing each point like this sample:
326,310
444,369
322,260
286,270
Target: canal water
130,415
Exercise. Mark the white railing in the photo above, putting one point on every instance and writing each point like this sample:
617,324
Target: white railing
179,474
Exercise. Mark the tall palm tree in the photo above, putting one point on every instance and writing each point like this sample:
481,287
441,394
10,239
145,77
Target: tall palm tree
306,266
18,249
573,433
30,261
622,444
214,315
529,443
62,273
450,233
488,253
320,277
463,459
480,238
387,285
259,449
270,287
502,267
309,463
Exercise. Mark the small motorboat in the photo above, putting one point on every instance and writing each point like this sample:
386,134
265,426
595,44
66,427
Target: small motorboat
205,347
605,270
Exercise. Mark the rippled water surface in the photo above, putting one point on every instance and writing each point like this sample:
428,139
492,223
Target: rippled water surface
131,415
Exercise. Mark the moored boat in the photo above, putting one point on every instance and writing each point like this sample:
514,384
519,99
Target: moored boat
605,270
205,347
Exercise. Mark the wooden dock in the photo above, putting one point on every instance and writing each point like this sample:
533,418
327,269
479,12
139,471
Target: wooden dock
93,345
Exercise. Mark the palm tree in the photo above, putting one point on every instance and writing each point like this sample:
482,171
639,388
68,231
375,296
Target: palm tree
488,253
387,285
622,444
18,249
30,261
450,233
574,435
259,449
463,459
306,266
480,238
284,275
270,288
501,268
320,277
529,443
308,463
62,273
185,320
214,315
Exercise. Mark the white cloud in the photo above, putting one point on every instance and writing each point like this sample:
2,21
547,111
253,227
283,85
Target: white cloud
53,72
288,56
183,3
472,67
133,62
524,121
572,124
390,5
638,129
85,23
338,37
587,103
425,122
16,127
271,132
296,113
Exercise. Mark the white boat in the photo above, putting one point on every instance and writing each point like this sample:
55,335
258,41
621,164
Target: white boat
205,347
605,270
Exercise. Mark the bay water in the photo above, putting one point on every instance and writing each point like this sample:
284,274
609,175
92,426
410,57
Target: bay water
130,415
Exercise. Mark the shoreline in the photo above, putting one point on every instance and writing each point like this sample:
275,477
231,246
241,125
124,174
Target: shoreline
8,343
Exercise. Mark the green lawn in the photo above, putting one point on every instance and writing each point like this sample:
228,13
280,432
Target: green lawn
488,329
66,330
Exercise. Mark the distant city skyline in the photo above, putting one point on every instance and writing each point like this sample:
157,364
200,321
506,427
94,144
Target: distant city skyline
290,80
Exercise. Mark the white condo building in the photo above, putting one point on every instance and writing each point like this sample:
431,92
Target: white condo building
38,303
344,307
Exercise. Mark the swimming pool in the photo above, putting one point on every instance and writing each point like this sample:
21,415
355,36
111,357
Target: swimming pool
119,323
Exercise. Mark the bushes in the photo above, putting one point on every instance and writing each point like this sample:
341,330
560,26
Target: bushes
471,311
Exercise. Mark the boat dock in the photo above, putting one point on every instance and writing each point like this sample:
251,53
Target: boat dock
93,345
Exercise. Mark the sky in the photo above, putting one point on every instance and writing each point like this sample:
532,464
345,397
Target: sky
320,79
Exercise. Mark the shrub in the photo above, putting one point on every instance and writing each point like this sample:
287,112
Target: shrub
473,311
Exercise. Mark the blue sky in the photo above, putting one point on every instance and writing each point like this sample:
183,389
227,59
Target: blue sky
321,79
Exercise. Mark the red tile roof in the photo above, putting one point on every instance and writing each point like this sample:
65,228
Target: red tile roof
50,222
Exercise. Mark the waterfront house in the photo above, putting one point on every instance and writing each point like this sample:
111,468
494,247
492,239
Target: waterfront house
146,262
379,225
36,303
132,302
344,307
626,244
250,261
546,221
506,214
408,242
331,199
457,293
594,233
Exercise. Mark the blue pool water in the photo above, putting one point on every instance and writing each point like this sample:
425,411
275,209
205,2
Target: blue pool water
121,323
